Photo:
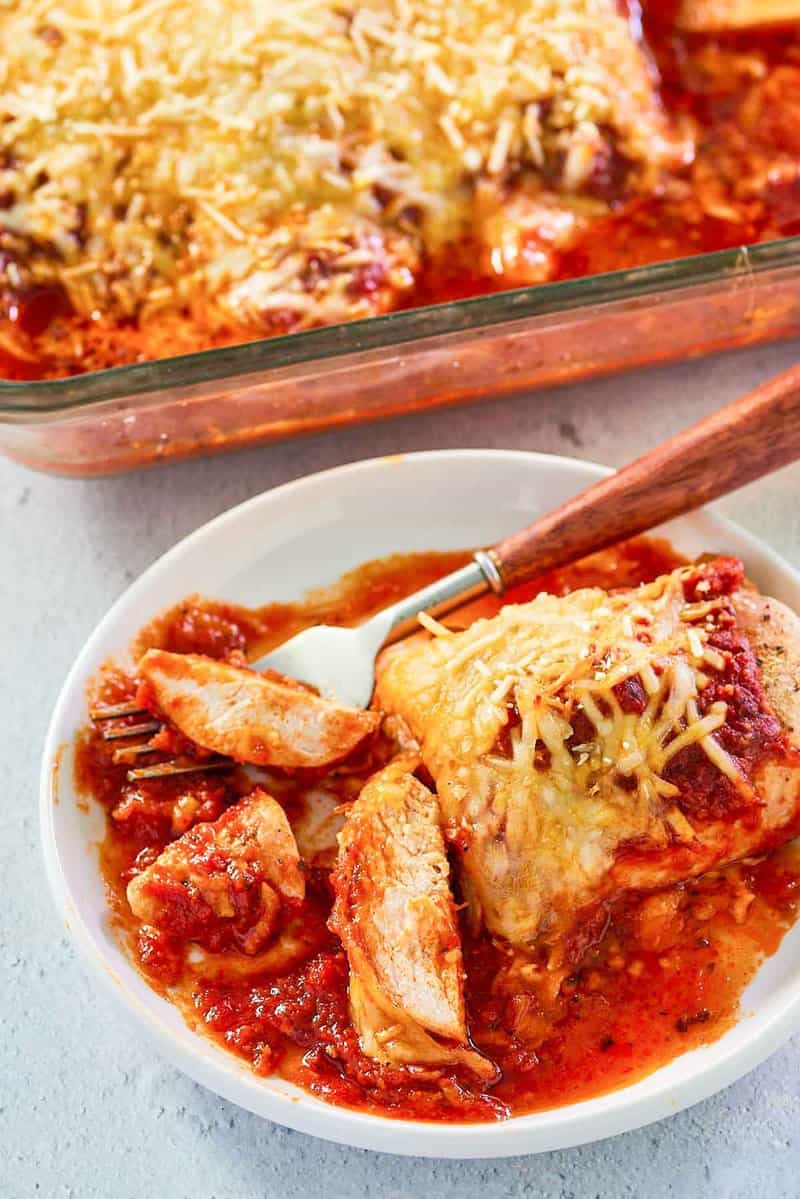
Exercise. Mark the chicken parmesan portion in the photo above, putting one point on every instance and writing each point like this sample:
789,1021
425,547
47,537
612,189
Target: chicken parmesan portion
250,167
395,915
264,720
598,742
224,884
555,868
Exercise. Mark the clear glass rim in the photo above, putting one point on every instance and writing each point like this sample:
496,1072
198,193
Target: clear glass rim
39,397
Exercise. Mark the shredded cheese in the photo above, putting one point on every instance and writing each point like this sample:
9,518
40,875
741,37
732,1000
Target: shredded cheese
624,671
434,626
247,149
584,660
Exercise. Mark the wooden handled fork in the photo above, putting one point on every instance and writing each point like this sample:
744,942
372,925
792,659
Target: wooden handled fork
735,445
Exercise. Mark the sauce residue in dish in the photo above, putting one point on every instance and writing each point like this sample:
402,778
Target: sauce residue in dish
658,973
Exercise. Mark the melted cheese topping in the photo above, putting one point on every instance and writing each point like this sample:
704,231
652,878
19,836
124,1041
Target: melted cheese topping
267,152
496,709
559,656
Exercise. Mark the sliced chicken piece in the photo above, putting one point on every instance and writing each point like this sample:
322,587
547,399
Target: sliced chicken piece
248,716
224,884
396,918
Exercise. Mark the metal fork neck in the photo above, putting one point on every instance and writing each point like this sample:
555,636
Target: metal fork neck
470,582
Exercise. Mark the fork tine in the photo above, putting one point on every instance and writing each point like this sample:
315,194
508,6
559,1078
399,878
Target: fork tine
126,753
131,730
129,709
167,769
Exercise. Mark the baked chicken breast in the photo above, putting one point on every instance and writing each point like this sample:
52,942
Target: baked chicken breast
598,742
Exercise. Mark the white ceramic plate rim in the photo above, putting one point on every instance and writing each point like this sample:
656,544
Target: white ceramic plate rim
702,1072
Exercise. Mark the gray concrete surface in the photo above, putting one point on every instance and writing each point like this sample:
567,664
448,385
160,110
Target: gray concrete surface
87,1109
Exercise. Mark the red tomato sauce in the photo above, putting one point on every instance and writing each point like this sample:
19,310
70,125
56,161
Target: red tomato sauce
655,974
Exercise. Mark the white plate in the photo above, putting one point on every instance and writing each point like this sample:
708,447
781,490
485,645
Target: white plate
275,547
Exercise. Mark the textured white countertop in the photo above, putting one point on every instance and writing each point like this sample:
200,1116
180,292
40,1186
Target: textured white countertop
87,1108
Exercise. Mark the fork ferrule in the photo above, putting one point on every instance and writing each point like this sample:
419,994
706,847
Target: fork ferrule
490,569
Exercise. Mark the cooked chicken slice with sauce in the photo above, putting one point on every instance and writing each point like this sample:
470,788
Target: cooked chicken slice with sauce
248,716
224,884
597,742
395,915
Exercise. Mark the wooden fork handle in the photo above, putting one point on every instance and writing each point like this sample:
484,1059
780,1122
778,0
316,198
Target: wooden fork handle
741,442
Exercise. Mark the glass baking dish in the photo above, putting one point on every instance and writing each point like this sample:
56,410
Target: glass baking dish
510,341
